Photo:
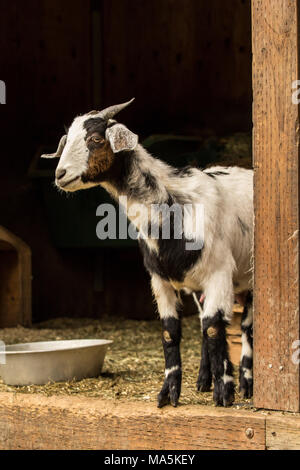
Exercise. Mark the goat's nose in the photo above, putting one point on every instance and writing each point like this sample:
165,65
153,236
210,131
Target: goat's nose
60,173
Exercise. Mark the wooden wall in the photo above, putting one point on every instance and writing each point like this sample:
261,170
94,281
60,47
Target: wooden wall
185,61
45,62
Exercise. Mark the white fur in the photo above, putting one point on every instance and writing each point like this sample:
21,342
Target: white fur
172,369
165,297
225,261
74,158
246,347
249,319
226,378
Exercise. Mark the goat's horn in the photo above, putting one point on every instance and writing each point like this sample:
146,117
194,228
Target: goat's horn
59,150
110,112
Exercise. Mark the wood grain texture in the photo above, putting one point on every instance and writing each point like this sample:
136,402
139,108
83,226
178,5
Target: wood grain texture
46,65
283,432
234,335
183,60
276,199
15,281
38,422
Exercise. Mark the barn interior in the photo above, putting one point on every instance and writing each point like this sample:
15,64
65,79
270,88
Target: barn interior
188,65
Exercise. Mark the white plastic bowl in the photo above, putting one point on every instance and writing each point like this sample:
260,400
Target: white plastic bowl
58,361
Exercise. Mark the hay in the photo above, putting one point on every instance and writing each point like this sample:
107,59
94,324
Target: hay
134,365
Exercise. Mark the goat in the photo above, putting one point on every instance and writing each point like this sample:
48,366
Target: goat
100,151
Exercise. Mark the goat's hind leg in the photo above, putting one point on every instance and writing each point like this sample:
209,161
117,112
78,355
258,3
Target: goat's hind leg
204,380
246,363
214,331
216,316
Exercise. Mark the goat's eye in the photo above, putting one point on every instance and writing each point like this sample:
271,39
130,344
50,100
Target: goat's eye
96,139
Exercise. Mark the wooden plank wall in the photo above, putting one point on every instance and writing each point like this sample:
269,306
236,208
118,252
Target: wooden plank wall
46,64
275,29
15,281
185,61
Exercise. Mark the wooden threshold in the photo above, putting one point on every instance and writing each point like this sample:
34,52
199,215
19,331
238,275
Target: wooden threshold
39,422
30,422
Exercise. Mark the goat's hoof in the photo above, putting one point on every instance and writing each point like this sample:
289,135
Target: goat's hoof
246,387
162,400
166,398
170,391
223,394
204,383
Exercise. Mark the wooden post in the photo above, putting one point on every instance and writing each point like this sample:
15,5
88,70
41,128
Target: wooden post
275,29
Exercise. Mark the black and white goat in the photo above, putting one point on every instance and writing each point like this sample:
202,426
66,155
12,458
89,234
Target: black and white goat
99,151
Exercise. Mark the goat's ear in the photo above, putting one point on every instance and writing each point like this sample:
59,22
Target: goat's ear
121,138
59,150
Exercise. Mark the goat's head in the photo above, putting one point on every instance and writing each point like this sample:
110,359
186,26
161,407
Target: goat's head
90,148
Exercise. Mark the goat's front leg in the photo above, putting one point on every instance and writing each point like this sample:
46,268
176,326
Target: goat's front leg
168,308
204,378
216,316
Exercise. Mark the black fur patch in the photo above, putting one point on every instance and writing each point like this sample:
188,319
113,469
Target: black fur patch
151,261
146,185
215,321
175,259
244,227
150,181
95,125
247,362
218,354
204,378
119,174
170,392
184,171
248,330
246,384
171,348
172,260
249,298
216,173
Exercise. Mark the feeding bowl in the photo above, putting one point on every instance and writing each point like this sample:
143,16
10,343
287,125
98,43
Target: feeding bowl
58,361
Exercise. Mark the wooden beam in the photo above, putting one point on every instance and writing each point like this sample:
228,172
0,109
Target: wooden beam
275,29
39,422
283,432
